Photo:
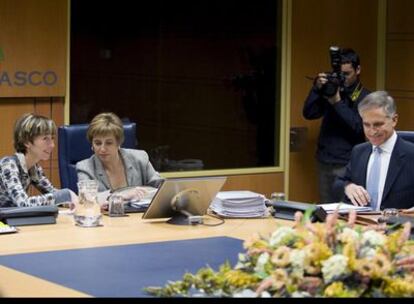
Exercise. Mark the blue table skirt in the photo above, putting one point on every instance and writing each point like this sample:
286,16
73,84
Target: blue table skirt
122,271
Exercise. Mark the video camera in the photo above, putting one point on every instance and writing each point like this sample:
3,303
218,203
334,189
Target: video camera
335,78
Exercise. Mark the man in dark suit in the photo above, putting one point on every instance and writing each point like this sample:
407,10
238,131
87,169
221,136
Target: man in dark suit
381,171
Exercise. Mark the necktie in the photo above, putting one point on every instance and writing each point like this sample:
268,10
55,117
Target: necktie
373,178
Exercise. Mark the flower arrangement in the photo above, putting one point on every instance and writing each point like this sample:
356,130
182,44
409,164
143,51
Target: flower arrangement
331,259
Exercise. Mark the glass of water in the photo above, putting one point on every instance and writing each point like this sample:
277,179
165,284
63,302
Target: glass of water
88,211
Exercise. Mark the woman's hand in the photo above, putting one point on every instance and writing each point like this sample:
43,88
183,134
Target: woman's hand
74,200
71,204
105,207
134,194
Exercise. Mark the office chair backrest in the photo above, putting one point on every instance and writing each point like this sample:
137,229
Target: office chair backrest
73,146
406,135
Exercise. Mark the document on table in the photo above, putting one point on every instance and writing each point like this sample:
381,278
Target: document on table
344,208
145,201
244,204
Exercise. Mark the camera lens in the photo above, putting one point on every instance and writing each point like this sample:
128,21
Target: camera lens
329,89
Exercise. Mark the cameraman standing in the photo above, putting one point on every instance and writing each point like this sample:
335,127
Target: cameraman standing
335,97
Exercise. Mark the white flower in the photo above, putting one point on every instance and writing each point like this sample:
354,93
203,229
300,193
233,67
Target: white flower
301,294
265,294
367,252
348,235
297,258
242,259
245,293
280,234
261,262
372,238
335,267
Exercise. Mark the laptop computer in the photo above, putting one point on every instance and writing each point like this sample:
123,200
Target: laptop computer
193,195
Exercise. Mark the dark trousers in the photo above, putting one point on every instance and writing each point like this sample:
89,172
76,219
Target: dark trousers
327,175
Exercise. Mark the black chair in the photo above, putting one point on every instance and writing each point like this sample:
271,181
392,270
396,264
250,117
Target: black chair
406,135
73,146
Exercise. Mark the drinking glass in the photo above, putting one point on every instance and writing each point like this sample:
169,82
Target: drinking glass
88,211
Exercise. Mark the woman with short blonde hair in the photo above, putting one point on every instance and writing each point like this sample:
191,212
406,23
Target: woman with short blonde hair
106,124
33,141
112,166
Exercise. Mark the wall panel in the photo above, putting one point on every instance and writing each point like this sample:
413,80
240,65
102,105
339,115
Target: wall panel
33,39
261,183
12,108
316,25
33,43
399,81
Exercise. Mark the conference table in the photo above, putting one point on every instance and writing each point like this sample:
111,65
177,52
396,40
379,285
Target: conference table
118,258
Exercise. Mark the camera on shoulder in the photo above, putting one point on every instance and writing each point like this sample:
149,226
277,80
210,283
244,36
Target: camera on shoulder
335,78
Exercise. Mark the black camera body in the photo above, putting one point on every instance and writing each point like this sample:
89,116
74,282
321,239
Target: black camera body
336,79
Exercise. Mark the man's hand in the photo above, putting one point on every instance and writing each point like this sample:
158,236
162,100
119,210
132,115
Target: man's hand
334,99
320,80
357,194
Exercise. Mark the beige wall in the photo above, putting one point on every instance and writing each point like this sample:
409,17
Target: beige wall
33,39
357,27
316,25
41,37
399,80
12,108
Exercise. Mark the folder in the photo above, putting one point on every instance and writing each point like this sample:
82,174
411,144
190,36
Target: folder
22,216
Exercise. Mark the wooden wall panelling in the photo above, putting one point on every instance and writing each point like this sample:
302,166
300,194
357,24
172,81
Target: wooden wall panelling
10,110
399,16
33,40
316,25
399,81
261,183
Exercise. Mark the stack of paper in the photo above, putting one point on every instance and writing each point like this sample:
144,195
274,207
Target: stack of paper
242,204
344,208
